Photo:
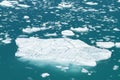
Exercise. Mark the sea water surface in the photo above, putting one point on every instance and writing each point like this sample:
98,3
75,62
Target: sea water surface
95,22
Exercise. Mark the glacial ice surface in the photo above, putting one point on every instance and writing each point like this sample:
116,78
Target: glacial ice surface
60,50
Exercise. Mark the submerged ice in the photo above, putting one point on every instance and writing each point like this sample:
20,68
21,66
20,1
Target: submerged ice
60,50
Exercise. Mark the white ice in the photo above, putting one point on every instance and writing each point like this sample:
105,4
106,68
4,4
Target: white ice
80,29
6,4
115,67
105,44
31,30
65,5
12,3
118,0
7,41
45,75
117,44
91,3
67,33
60,50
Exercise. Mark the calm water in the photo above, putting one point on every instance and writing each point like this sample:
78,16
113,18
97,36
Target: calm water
102,20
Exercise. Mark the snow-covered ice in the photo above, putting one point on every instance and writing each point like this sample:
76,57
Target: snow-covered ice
67,33
23,5
7,41
31,30
45,75
91,3
12,3
83,70
115,67
60,50
6,3
80,29
26,17
118,0
65,5
105,44
117,44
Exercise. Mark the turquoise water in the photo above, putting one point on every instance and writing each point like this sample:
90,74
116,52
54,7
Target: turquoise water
105,14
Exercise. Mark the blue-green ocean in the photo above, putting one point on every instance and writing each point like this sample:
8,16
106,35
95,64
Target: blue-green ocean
101,17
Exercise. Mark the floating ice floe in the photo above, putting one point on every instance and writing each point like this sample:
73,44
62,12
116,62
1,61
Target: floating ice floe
60,50
31,30
67,33
83,70
44,75
52,34
63,68
115,67
118,0
105,44
65,5
91,3
26,17
80,29
6,4
12,3
117,44
23,6
116,29
7,41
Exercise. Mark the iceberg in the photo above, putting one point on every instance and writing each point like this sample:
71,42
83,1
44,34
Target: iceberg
60,50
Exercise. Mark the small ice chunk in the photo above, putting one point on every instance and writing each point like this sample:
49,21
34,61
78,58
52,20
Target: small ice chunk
7,41
1,26
53,34
65,5
117,44
23,5
119,60
63,68
115,67
84,70
26,17
105,44
14,3
118,0
67,33
31,30
44,75
116,29
91,3
6,3
80,29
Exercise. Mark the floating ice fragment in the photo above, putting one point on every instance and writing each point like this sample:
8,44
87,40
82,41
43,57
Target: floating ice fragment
52,34
45,75
12,3
31,30
80,29
6,4
117,44
67,33
65,5
84,70
116,29
60,50
63,68
91,3
105,44
118,0
7,41
26,17
23,5
115,67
